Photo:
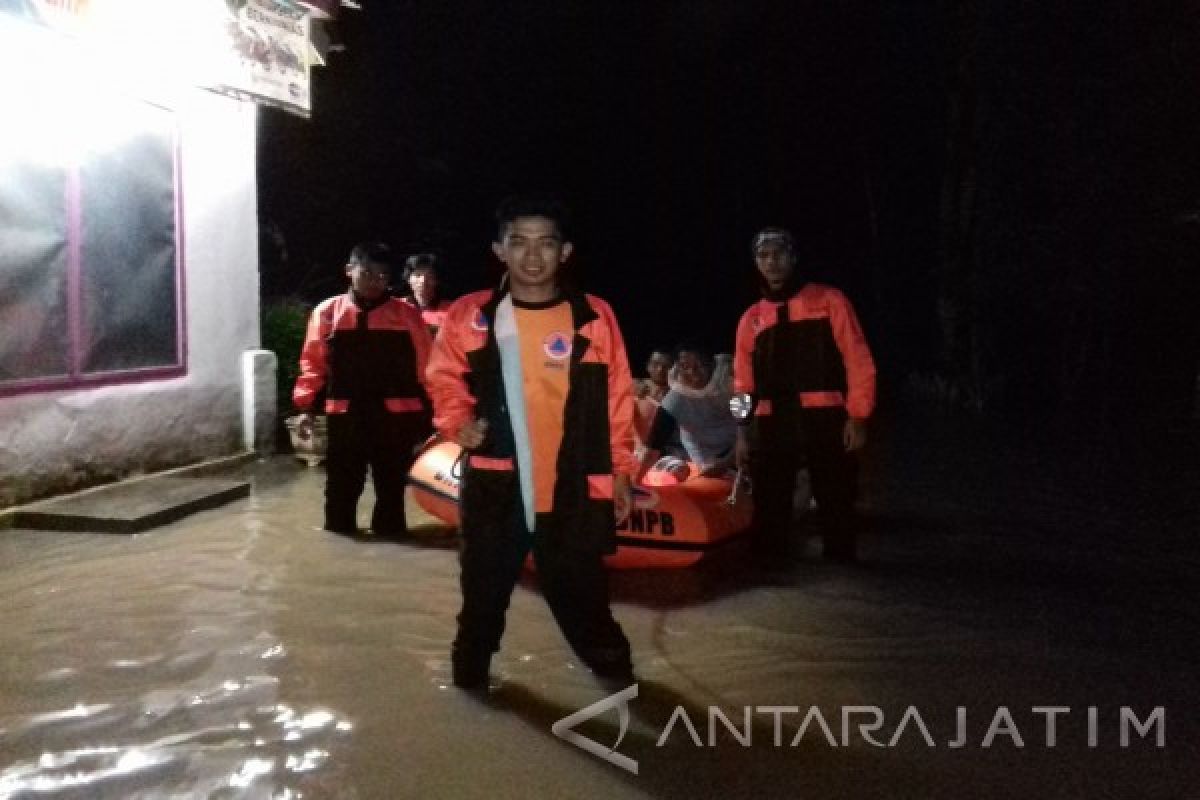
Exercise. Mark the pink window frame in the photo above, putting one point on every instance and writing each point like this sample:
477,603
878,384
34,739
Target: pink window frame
76,377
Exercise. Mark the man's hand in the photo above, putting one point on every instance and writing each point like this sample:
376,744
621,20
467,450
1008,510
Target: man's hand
854,434
472,434
645,460
680,471
622,497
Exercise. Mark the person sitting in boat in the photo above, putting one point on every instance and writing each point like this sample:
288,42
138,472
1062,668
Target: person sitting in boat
421,276
648,393
696,409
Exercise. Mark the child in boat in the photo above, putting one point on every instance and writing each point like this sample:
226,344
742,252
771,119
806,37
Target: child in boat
649,392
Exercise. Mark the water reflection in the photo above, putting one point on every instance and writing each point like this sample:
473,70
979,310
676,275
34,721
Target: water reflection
163,648
242,654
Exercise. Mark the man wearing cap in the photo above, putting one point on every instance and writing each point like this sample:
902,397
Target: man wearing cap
804,383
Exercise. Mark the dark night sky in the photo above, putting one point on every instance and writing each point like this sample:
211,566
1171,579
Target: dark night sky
676,129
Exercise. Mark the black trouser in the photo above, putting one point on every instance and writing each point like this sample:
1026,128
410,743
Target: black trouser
574,583
372,436
783,445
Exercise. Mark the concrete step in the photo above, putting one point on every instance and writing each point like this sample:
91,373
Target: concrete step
131,506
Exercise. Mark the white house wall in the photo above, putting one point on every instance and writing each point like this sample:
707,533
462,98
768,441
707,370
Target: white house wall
59,440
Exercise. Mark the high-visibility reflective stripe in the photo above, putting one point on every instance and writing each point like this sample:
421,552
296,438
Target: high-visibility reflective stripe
807,400
398,404
822,399
600,487
483,462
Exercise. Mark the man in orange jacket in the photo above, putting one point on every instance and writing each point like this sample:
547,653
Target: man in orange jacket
804,384
363,363
533,381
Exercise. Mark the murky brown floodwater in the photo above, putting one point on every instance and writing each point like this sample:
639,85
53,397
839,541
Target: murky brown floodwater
241,653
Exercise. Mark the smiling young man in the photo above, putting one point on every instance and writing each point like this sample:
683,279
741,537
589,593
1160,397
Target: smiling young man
804,381
532,379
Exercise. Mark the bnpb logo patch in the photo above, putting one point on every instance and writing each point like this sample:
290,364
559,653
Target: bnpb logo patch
557,346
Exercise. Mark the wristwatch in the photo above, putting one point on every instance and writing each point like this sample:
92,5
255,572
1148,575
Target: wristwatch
741,407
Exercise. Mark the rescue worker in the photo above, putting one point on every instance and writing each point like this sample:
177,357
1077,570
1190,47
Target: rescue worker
423,281
804,383
532,379
363,363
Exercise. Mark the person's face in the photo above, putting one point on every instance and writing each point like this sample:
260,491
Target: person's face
657,368
368,280
533,251
775,263
692,372
423,282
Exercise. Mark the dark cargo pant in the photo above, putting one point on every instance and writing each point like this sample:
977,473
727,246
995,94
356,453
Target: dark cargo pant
574,583
370,436
783,445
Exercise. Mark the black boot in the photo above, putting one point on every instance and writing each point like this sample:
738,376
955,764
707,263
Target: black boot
395,534
470,670
611,664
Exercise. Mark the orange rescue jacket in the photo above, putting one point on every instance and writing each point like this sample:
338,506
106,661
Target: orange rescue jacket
817,356
464,380
354,354
434,315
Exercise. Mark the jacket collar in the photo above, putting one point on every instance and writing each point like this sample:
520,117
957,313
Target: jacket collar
365,305
581,310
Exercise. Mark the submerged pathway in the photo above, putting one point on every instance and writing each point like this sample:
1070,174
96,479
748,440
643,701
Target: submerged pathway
242,653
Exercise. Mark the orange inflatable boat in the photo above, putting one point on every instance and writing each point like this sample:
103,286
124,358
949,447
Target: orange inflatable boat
671,525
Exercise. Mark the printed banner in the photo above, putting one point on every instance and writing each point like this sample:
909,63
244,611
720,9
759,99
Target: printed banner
254,49
68,15
269,46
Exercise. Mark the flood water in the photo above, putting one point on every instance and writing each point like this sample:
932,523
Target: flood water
241,653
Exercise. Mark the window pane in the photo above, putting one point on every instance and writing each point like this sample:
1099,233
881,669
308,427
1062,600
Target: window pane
127,254
33,270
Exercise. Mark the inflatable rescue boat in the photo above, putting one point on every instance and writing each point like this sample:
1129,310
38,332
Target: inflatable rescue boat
671,525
